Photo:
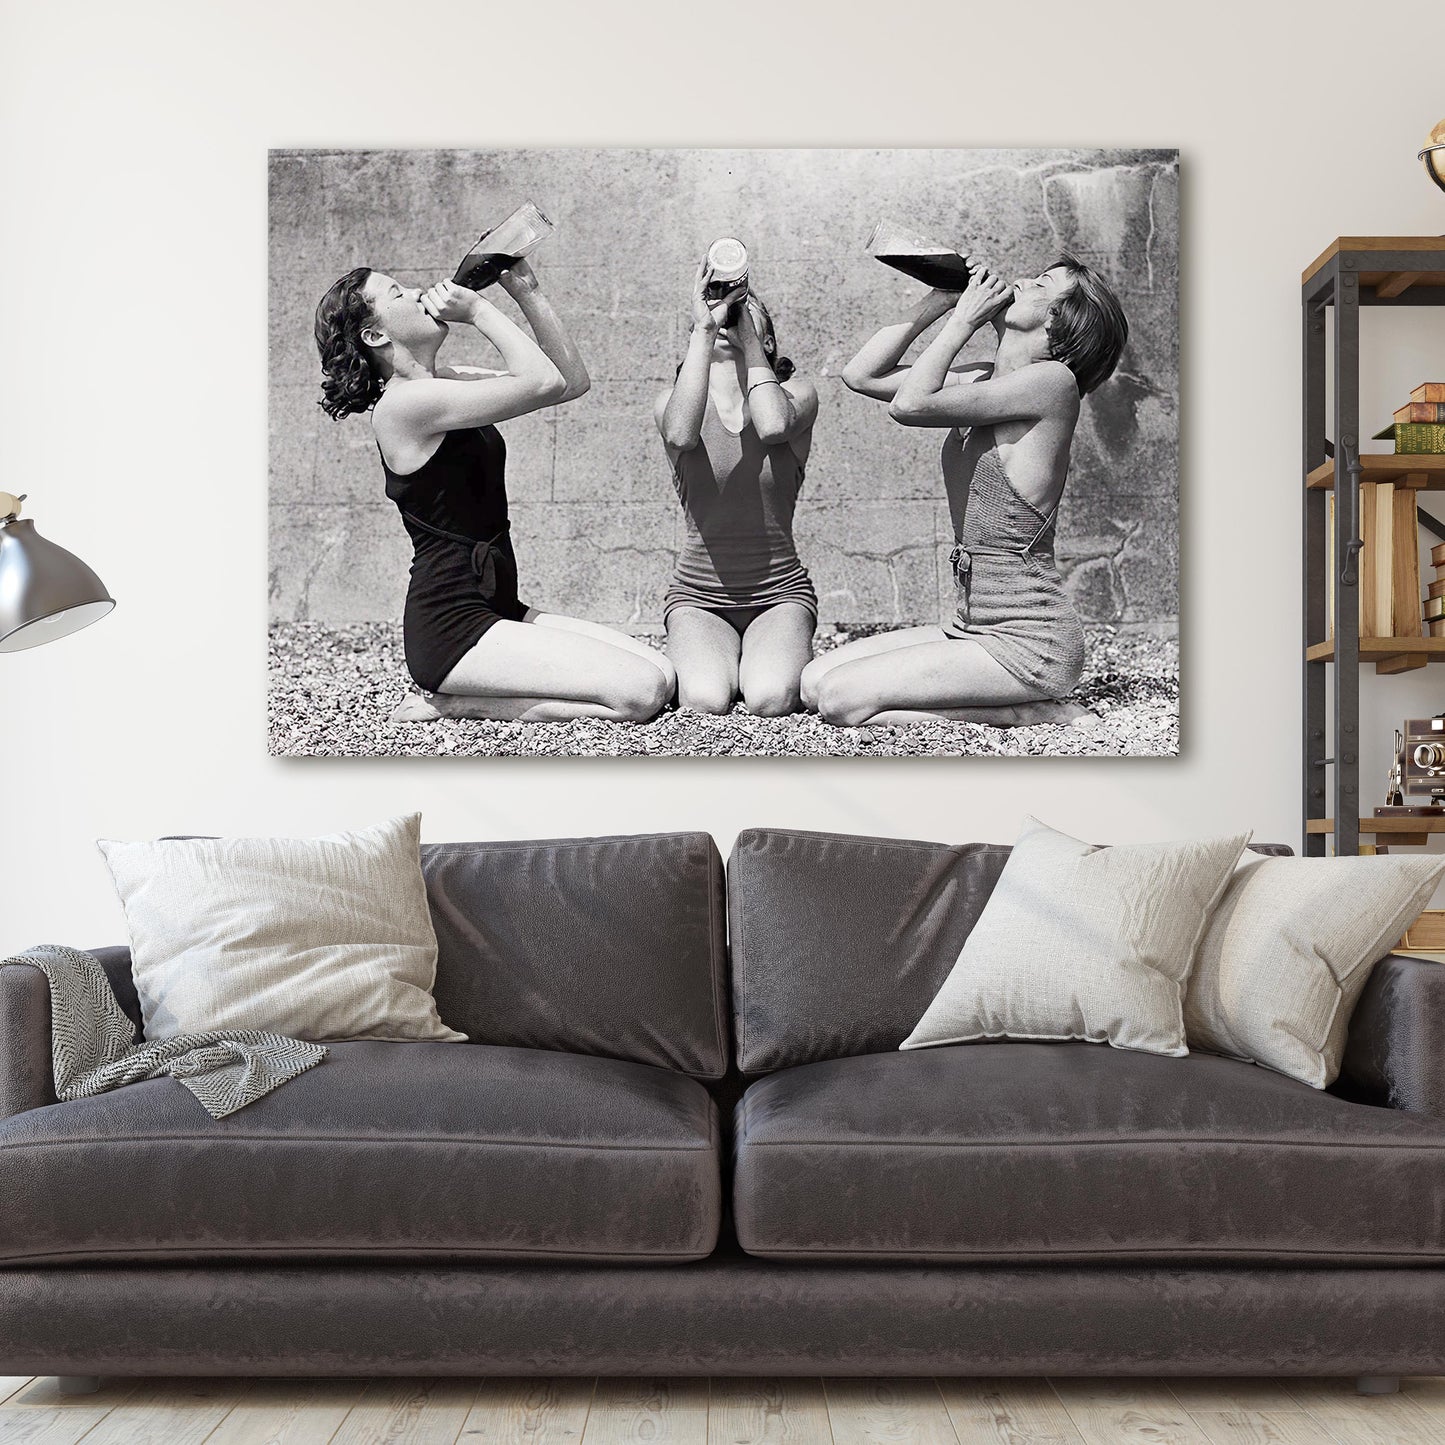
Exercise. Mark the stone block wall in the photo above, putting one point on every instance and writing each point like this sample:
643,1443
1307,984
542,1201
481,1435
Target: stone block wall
596,524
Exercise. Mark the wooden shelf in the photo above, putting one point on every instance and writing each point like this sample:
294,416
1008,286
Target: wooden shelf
1424,471
1389,654
1412,831
1394,281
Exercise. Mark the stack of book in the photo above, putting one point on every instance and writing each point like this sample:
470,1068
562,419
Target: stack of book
1419,425
1389,563
1435,598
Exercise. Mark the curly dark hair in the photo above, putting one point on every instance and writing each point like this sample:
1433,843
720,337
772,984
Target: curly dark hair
782,366
1087,328
350,381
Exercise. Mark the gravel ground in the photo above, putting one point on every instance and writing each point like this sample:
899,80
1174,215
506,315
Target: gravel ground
333,690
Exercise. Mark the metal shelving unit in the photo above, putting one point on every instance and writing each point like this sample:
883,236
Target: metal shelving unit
1354,271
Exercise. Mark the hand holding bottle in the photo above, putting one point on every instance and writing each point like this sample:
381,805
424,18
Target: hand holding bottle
446,301
519,278
710,313
986,294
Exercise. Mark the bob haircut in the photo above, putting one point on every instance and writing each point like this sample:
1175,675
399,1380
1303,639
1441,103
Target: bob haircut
350,381
1087,328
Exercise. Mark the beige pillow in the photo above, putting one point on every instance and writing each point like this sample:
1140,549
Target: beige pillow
1083,942
1289,950
313,938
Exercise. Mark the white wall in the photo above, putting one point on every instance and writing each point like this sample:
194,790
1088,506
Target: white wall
133,142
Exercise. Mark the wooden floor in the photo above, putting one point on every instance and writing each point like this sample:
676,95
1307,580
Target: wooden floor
721,1412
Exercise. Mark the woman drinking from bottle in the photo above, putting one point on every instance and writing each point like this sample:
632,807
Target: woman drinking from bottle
1011,648
473,647
737,425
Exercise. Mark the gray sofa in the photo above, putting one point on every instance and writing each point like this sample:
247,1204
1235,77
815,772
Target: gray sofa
663,1154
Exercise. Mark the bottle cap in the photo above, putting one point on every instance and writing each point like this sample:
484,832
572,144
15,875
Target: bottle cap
728,259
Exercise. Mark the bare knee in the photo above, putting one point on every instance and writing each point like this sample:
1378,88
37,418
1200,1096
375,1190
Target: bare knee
813,674
641,695
841,705
705,694
774,698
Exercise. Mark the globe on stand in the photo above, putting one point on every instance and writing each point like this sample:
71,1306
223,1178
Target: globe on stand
1434,155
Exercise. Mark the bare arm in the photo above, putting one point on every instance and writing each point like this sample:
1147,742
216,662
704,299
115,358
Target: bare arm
1043,388
425,406
779,410
680,419
925,398
521,284
875,370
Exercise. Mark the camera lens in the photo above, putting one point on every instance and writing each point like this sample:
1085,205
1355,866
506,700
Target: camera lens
1430,756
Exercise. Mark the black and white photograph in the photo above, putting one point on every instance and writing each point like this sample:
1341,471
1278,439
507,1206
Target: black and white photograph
712,452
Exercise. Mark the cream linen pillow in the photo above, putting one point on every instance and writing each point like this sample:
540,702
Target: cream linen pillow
313,938
1289,950
1082,942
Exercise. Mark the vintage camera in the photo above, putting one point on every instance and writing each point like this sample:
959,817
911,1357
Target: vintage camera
1417,779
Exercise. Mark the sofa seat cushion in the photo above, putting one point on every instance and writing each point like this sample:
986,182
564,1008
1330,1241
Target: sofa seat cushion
419,1150
1027,1152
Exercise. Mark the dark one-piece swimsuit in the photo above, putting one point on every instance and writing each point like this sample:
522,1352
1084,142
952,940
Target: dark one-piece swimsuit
463,571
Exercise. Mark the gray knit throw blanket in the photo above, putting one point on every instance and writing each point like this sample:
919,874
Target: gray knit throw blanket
91,1046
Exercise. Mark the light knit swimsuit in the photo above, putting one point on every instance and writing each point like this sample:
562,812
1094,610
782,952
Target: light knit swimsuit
1009,596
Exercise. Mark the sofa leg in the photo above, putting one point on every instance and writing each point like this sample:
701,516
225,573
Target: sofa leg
78,1384
1377,1384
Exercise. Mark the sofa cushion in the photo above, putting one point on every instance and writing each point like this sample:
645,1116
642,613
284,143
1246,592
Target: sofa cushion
1288,953
418,1150
1082,942
1026,1153
607,946
839,943
311,938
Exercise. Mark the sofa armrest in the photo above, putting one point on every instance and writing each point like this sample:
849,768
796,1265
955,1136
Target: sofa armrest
26,1080
1395,1054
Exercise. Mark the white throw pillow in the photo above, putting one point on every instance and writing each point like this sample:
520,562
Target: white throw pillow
313,938
1289,950
1083,942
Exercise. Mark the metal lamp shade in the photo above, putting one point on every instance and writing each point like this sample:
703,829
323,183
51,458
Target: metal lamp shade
45,591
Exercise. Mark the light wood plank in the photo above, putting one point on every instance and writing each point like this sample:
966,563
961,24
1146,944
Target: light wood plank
1397,282
1422,470
1391,828
1374,649
888,1412
1222,1394
528,1412
1427,1391
289,1412
1007,1412
1262,1427
1413,1417
1111,1412
1373,243
168,1412
43,1393
746,1412
12,1384
655,1410
408,1412
47,1427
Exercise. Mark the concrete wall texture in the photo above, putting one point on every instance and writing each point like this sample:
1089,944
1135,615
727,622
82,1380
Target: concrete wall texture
596,523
